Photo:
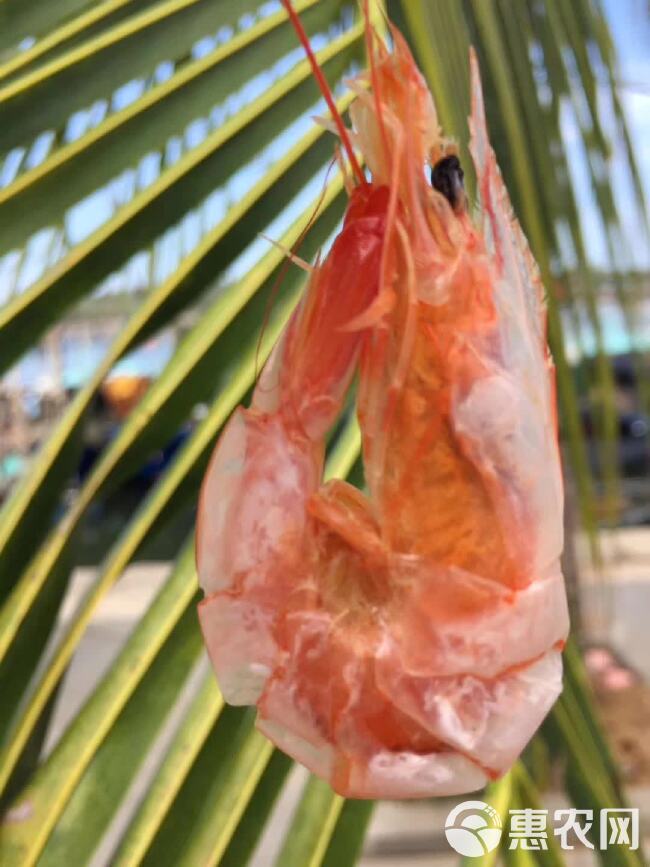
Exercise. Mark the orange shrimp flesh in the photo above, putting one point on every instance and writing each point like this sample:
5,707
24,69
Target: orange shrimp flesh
403,642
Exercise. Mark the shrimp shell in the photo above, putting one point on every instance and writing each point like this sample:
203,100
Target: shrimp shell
403,642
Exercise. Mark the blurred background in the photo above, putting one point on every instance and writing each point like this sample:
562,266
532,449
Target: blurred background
144,146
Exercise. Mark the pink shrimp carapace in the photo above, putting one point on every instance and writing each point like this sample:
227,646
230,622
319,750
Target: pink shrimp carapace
406,641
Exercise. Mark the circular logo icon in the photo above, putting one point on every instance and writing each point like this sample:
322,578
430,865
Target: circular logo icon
473,828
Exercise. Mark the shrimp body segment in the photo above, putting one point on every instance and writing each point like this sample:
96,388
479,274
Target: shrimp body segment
403,642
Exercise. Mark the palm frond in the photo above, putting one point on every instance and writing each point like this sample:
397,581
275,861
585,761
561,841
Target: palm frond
174,132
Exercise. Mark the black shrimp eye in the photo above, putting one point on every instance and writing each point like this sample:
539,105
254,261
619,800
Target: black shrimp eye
447,177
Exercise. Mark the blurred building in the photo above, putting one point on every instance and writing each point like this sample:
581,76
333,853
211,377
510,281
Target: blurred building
36,391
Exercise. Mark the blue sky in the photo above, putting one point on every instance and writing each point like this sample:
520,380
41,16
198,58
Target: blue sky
630,25
629,21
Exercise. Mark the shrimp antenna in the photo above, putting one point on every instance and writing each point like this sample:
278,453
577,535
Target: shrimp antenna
324,88
289,259
370,51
